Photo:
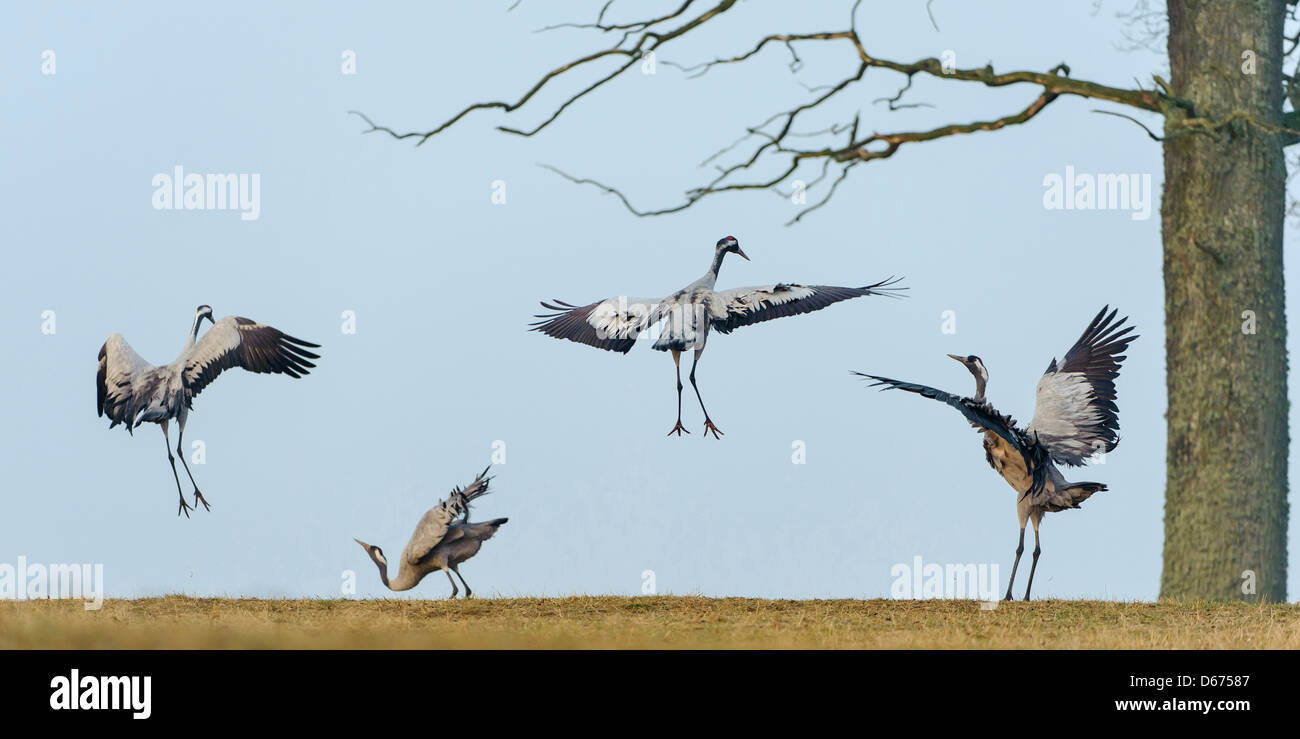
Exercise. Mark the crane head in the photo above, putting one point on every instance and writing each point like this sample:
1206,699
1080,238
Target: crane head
205,311
974,364
375,552
731,244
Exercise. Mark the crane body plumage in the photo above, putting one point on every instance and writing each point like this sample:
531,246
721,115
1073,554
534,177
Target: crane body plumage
131,391
440,541
688,315
1075,417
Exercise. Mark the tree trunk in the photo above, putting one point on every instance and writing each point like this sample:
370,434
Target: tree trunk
1225,345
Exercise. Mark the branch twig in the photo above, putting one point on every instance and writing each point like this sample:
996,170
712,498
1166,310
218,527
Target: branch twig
778,131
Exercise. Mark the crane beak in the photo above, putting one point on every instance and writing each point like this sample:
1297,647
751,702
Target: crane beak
741,253
959,359
364,545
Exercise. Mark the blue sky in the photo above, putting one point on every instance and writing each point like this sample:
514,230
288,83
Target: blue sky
443,282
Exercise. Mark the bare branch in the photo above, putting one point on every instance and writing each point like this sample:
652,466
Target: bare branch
774,138
893,141
855,153
648,41
1206,125
698,70
384,129
844,172
893,102
627,28
1131,118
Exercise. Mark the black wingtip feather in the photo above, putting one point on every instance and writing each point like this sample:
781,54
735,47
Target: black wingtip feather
298,341
885,288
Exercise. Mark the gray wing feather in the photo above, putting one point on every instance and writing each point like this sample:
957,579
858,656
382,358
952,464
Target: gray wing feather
982,415
438,524
1075,415
430,531
742,306
481,531
241,342
612,324
124,382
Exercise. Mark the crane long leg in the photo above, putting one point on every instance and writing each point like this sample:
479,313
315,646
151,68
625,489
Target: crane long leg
454,589
468,592
1034,566
708,423
185,508
679,428
1020,549
198,497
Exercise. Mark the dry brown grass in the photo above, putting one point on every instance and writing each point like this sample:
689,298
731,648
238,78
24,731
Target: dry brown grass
642,622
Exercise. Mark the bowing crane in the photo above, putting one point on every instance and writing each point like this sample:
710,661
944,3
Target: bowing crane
1075,418
687,315
130,391
439,541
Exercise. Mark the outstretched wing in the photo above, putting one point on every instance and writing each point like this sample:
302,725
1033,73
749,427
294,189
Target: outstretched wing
431,529
476,489
241,342
730,309
613,324
439,522
1075,415
124,382
983,416
481,531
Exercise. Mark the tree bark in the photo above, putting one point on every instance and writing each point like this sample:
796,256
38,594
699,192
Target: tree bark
1221,220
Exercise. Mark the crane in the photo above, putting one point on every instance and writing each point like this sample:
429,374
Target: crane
1075,418
130,391
439,541
614,324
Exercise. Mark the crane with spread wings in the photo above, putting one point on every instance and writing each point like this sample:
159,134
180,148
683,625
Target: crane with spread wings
687,316
131,391
1075,419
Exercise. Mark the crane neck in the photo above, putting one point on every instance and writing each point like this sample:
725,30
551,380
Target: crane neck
712,274
717,262
403,581
980,382
194,330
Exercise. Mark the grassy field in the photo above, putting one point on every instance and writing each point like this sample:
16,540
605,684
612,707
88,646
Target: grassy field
642,622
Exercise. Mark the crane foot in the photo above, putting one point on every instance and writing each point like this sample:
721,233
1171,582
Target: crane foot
198,498
185,508
678,429
708,426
